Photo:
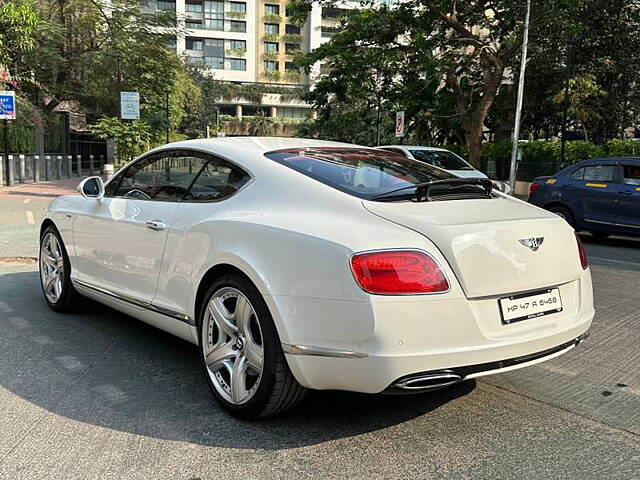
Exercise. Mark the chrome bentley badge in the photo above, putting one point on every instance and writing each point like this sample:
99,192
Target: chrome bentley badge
533,243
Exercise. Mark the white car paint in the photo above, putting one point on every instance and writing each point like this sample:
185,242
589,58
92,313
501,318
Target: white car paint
407,149
294,236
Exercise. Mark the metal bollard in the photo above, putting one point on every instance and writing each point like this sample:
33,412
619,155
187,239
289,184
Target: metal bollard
22,169
47,167
69,165
36,168
59,167
11,179
91,165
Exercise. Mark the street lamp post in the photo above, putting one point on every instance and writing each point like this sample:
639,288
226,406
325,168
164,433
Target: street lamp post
516,126
166,106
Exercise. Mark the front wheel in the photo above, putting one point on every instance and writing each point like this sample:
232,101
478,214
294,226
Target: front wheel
241,353
55,272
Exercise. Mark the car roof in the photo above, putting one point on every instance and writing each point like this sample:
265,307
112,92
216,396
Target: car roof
257,145
415,147
605,160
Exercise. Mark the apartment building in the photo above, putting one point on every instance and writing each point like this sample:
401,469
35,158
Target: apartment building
252,42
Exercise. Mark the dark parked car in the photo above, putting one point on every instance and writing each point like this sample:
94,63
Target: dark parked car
600,195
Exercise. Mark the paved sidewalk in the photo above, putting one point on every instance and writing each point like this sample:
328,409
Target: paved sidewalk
21,210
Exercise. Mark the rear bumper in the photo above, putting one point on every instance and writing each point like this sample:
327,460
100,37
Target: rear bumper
443,378
374,346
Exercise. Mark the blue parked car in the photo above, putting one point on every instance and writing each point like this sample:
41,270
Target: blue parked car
600,195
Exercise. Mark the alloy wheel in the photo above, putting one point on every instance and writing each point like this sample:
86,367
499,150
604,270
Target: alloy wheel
232,345
51,267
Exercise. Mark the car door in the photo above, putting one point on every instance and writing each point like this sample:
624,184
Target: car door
120,240
592,191
194,235
628,211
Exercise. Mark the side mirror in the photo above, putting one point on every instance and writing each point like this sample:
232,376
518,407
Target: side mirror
92,187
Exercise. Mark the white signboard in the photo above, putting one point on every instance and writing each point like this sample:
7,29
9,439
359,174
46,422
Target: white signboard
129,105
400,124
7,105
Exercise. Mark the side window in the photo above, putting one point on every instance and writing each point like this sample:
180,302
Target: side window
163,177
631,174
578,174
218,180
595,173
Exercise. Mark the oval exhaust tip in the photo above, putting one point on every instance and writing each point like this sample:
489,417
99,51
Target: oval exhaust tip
430,381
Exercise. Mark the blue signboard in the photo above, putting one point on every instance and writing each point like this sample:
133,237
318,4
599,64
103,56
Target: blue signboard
7,105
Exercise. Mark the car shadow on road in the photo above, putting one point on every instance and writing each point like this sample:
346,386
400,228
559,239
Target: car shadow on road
106,369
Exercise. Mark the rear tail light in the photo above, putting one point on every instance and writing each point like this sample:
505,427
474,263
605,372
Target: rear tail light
583,256
398,272
534,186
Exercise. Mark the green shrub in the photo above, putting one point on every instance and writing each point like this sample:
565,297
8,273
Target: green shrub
623,148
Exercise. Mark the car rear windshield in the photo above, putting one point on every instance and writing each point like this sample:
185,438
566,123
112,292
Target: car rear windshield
362,172
446,160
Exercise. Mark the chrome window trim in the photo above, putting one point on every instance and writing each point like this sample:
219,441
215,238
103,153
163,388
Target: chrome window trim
118,175
139,303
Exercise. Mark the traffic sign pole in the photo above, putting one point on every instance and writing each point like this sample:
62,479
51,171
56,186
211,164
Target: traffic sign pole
5,129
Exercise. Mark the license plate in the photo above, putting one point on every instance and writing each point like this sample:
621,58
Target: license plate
530,305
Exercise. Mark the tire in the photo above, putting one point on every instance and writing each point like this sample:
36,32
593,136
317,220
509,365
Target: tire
564,213
599,235
235,330
59,293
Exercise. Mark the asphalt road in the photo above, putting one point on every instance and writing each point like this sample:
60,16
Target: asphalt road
101,395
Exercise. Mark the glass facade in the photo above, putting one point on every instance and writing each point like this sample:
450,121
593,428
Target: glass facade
195,7
165,5
237,26
237,64
213,15
238,7
237,45
194,43
270,66
214,53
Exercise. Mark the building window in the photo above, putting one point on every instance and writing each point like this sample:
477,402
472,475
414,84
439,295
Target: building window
237,26
291,67
194,43
213,15
271,9
214,53
271,28
195,7
238,7
165,5
192,60
237,64
291,48
292,29
238,45
270,47
193,24
270,66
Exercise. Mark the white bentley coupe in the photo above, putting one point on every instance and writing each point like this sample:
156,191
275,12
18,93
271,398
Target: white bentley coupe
303,264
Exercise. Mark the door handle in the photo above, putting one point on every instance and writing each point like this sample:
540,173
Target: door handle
155,225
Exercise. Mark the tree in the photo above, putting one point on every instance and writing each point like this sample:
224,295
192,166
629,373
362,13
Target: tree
470,45
132,138
18,25
583,92
261,125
